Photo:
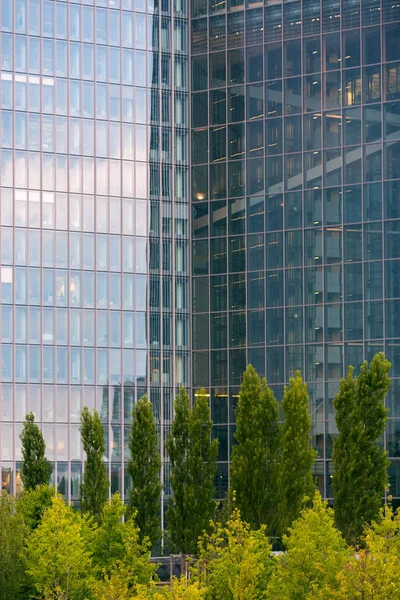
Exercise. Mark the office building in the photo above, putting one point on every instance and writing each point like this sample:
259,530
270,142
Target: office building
94,222
295,152
135,260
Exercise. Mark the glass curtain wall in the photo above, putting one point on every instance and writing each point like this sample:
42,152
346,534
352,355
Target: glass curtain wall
295,149
94,222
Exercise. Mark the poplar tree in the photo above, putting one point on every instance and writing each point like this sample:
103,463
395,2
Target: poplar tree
95,483
35,468
144,468
361,464
193,466
254,465
297,455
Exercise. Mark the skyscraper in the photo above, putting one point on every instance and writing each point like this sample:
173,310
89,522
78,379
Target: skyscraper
295,151
94,222
133,261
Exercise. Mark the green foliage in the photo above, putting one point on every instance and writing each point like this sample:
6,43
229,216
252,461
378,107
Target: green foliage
95,484
35,468
316,553
33,504
374,573
144,469
297,455
181,590
235,562
193,458
111,588
360,462
117,548
12,533
254,466
56,555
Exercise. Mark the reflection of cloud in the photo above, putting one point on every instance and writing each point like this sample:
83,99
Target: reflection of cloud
112,176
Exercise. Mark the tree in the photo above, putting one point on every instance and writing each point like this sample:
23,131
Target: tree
235,561
375,571
144,469
95,484
254,466
35,468
56,555
12,533
33,504
297,455
193,459
181,589
360,462
315,554
117,549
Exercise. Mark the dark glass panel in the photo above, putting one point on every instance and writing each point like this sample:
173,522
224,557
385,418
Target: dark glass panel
254,63
351,48
217,69
199,109
218,181
353,287
235,104
218,292
373,280
219,331
218,218
371,46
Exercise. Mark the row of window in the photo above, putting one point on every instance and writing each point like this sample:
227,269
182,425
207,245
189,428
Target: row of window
109,102
60,172
50,18
102,366
331,323
215,34
274,251
81,96
285,136
77,328
114,27
92,138
293,19
345,87
295,210
81,252
230,108
75,212
322,362
80,62
76,174
293,287
60,403
287,173
90,213
81,291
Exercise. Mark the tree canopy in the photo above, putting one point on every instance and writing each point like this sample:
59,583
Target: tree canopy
359,459
144,468
255,460
297,455
95,484
35,468
193,462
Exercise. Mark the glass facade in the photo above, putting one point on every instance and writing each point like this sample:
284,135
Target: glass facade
291,253
295,181
94,222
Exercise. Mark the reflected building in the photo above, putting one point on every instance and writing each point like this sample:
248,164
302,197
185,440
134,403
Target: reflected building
295,152
94,222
